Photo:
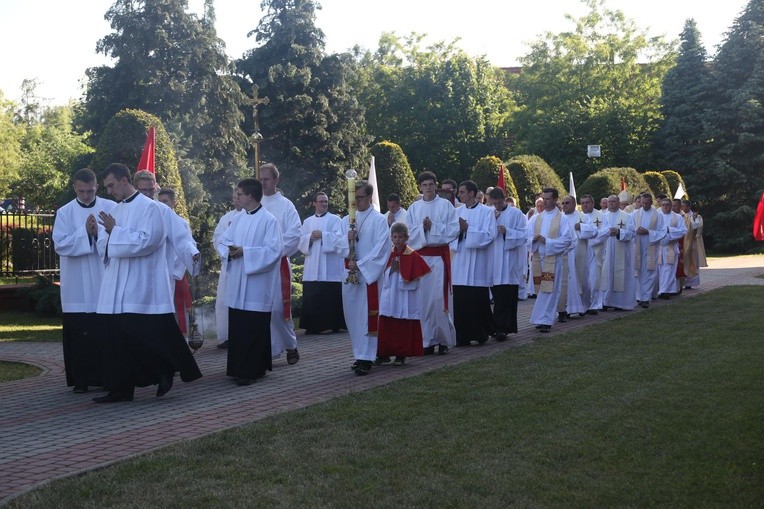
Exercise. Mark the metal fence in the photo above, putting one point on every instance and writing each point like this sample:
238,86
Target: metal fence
26,244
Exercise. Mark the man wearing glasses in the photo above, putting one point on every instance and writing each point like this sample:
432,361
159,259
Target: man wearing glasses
361,301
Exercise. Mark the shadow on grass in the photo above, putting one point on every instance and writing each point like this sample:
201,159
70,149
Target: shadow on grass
17,326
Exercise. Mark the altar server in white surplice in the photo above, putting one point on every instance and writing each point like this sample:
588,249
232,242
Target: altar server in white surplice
617,281
395,213
647,224
361,301
471,268
323,271
589,233
144,345
668,253
434,223
509,256
282,327
253,247
550,236
574,281
221,310
75,237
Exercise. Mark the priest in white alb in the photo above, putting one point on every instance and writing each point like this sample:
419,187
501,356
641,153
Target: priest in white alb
574,282
617,283
668,251
589,233
550,236
649,230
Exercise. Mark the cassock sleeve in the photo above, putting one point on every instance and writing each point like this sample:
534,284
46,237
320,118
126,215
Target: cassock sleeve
563,242
372,265
145,238
259,259
304,245
445,228
480,232
183,243
331,237
292,232
69,238
515,235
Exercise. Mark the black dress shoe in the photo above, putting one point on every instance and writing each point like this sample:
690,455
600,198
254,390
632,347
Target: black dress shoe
223,345
500,336
165,384
562,317
244,381
482,340
114,397
592,312
430,350
545,328
442,349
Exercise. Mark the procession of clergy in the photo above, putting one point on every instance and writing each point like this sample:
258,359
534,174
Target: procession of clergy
444,273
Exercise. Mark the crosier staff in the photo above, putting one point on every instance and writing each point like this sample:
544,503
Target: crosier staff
351,176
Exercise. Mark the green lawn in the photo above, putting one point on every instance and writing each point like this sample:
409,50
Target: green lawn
17,326
659,408
16,371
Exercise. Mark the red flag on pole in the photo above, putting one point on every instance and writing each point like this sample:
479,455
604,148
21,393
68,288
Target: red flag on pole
501,182
147,157
623,183
758,221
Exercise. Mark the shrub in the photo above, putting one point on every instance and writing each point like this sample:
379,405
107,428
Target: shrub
44,297
530,174
485,174
674,179
608,181
394,174
658,183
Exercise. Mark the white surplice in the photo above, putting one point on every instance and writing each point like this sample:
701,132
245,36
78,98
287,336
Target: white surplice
81,266
509,254
221,310
437,324
594,248
372,248
576,285
647,268
322,256
668,252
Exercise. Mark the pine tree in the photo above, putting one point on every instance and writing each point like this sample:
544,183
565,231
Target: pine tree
311,123
679,141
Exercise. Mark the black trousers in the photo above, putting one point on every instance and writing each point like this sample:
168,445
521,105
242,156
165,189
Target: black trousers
249,343
83,344
472,314
505,308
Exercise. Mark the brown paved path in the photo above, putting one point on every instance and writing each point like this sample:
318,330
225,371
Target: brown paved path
47,432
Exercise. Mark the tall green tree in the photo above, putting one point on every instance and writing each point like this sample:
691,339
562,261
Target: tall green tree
10,146
444,108
170,63
729,185
311,124
680,140
598,83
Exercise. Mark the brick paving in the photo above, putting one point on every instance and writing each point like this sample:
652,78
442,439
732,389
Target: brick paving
47,432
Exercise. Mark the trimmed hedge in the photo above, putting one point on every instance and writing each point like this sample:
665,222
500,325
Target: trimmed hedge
485,174
394,174
531,174
674,179
608,181
658,183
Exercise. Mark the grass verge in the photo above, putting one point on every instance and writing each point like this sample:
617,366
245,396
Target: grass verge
17,326
10,371
662,407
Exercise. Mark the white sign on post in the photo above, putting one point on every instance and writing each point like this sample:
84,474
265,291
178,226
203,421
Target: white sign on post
593,151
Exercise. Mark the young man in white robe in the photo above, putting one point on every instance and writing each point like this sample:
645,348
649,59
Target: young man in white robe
617,281
181,254
323,271
221,310
471,268
75,237
575,284
253,247
589,233
674,229
395,213
360,300
508,261
649,231
550,236
283,337
144,344
433,225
